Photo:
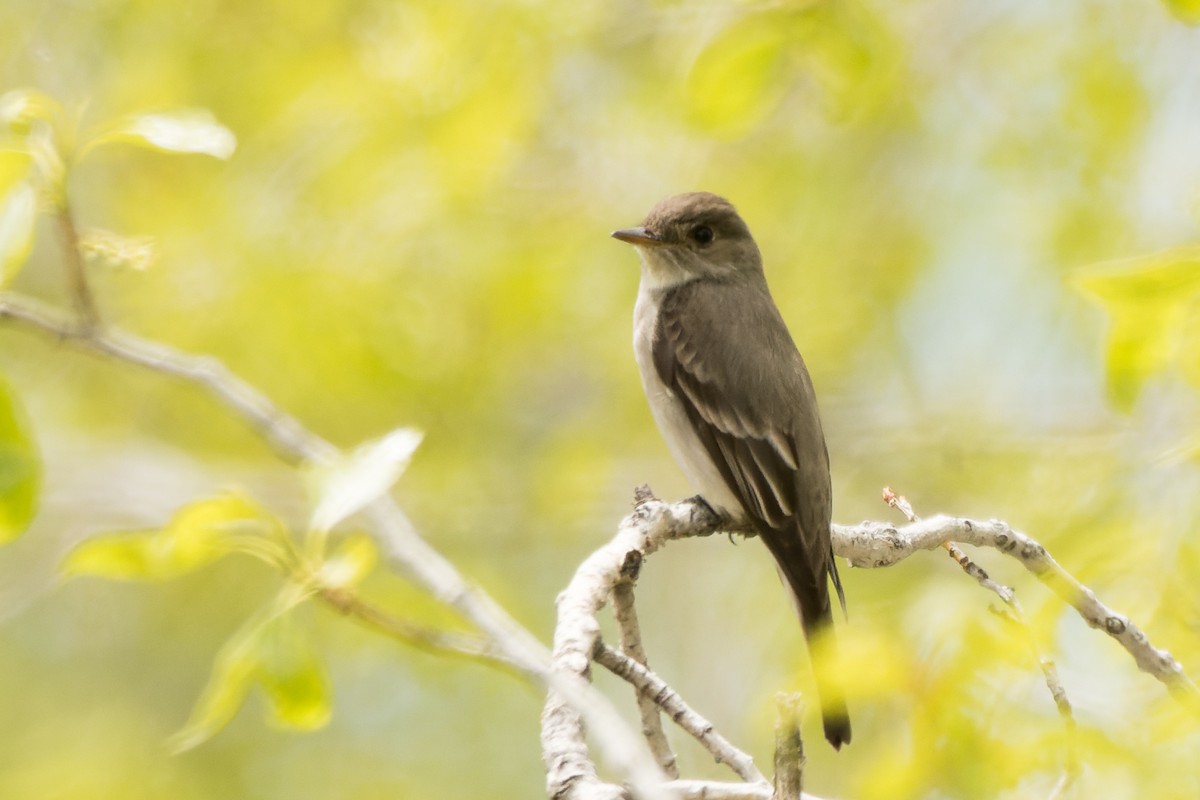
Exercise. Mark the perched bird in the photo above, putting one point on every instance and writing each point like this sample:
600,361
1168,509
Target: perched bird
734,401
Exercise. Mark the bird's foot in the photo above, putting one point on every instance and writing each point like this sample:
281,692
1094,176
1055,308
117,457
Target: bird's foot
703,512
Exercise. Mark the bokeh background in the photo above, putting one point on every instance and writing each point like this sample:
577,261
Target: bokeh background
976,217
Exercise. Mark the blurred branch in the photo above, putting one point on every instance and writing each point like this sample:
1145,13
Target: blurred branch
81,290
405,550
77,271
290,440
423,637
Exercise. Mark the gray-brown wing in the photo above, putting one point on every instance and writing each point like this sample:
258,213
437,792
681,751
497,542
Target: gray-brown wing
749,397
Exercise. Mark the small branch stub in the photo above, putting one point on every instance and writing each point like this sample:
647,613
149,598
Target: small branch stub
789,748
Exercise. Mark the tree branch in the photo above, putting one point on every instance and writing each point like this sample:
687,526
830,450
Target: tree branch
570,773
875,544
630,637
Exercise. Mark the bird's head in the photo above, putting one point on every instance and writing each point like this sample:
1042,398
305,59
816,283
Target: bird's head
694,235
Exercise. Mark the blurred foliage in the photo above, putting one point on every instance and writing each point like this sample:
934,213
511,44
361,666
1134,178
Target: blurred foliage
407,226
20,468
1154,303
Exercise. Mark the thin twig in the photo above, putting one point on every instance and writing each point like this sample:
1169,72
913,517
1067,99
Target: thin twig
651,686
81,290
423,637
629,634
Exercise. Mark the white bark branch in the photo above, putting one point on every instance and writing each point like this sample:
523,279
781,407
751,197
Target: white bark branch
629,633
874,544
571,773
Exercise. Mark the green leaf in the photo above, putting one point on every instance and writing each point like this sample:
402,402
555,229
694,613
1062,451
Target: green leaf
735,82
350,563
197,535
20,468
268,649
848,53
349,483
18,213
1153,302
293,677
181,131
225,691
1185,10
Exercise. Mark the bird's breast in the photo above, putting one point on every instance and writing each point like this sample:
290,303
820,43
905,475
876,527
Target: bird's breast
669,413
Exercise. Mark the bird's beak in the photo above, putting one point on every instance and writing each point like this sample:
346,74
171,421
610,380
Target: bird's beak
638,237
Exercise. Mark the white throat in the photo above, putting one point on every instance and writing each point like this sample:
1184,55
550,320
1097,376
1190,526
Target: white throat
661,267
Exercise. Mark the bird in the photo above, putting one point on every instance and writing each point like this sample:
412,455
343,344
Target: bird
733,399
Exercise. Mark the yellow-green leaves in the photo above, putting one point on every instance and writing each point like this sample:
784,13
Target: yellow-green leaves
197,535
346,485
1154,305
20,468
269,650
1185,10
180,131
747,69
736,81
292,677
273,652
18,213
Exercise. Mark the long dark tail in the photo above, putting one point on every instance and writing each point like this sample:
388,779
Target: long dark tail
816,618
818,630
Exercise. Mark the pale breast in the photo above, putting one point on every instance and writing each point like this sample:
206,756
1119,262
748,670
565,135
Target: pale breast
689,452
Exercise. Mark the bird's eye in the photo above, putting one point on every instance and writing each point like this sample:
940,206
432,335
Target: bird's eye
702,234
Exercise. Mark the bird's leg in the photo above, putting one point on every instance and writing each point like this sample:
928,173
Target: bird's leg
700,501
719,518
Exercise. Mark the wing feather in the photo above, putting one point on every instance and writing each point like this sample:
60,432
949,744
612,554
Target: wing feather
758,422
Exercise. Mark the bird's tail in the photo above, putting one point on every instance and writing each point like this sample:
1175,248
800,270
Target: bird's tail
812,600
822,648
